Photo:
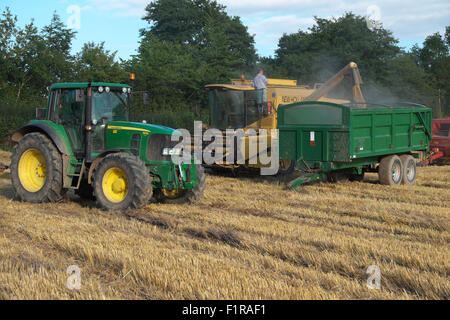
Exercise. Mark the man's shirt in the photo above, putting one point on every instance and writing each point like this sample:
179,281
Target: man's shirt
260,81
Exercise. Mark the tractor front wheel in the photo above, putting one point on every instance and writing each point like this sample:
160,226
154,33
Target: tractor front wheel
121,181
37,170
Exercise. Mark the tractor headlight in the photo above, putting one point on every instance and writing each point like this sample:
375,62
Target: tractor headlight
100,89
124,90
172,151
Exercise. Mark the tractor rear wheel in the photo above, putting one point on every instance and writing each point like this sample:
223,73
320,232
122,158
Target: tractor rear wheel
390,171
121,181
409,169
184,196
37,170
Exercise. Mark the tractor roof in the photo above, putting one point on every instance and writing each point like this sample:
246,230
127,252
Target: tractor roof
65,85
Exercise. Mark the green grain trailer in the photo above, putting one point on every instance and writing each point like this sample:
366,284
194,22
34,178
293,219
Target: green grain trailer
335,142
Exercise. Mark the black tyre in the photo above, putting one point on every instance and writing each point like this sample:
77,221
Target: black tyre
409,169
286,167
85,191
337,177
390,171
121,181
184,196
37,170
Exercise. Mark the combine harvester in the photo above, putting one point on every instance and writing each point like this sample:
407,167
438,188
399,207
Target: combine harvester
239,106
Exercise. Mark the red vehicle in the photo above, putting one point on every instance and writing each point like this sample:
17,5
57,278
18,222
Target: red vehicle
441,136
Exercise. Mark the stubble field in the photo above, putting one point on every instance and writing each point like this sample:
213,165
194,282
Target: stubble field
248,238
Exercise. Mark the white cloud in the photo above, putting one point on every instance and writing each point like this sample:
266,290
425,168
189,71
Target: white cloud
410,20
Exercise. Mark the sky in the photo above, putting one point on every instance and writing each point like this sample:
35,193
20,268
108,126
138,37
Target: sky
117,22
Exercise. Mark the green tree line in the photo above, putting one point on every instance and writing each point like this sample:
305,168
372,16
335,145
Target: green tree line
190,43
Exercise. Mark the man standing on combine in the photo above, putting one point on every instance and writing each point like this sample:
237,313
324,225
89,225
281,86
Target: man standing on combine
259,83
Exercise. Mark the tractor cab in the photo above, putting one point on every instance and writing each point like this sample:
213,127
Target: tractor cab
86,110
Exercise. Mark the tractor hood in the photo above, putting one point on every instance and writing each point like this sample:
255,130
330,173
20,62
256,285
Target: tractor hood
139,126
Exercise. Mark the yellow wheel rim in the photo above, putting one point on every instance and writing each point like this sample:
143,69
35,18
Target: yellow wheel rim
32,170
115,185
172,194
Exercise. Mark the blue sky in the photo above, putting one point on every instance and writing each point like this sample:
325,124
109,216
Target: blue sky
117,22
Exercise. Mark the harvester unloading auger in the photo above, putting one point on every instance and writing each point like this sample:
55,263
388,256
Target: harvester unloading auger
350,69
239,106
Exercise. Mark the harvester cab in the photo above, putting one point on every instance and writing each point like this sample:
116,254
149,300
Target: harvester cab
84,141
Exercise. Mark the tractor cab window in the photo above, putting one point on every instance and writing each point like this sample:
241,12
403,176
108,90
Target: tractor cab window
109,105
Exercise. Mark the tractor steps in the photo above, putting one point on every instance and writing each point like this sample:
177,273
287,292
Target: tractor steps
77,176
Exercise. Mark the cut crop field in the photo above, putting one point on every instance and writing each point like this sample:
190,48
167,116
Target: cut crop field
248,238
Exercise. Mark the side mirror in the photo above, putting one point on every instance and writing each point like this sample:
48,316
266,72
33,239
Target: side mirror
41,113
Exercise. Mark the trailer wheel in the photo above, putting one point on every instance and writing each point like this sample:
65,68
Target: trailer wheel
184,196
390,171
121,181
409,169
37,170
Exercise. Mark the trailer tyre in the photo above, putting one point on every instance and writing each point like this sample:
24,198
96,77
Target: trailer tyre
409,169
121,181
37,170
390,171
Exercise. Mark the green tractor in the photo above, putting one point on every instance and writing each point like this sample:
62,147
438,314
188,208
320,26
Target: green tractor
84,141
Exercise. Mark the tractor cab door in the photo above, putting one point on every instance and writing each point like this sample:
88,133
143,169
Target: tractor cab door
67,107
108,104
